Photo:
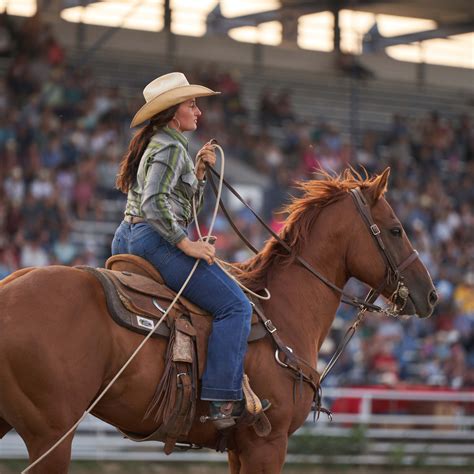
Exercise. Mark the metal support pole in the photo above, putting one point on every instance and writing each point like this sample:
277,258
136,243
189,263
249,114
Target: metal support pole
257,57
170,37
337,30
289,24
421,67
81,32
167,16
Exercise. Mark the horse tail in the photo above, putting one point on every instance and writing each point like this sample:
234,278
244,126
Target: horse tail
19,273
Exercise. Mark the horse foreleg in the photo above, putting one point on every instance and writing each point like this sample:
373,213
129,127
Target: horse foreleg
43,429
234,462
263,455
57,461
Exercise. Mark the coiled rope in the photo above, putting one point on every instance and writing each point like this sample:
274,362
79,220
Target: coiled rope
219,262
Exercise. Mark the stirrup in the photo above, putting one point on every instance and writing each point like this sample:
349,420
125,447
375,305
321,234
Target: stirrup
225,416
224,413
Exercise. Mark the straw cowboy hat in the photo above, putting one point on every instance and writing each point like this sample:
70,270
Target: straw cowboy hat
165,91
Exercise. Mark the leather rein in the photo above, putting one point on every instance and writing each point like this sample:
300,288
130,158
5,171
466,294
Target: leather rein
302,370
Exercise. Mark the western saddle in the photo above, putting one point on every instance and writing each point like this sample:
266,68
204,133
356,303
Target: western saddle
137,298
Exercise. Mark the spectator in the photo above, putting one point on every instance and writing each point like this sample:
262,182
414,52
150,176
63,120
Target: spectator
62,135
64,249
42,186
15,186
267,109
33,255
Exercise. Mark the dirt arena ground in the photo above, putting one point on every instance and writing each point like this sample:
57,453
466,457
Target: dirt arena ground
14,467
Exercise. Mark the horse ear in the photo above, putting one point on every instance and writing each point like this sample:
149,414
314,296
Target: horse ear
378,187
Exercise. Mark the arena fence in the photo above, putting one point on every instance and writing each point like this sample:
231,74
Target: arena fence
376,426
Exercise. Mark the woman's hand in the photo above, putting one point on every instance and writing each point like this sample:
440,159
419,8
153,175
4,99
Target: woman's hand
198,249
206,155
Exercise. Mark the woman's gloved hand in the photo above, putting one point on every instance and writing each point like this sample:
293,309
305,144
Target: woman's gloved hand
198,249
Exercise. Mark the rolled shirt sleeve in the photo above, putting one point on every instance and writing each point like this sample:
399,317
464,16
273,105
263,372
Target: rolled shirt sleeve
161,178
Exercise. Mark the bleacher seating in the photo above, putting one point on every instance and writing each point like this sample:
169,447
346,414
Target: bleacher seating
325,97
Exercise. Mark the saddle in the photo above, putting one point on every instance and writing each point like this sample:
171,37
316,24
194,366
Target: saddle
137,298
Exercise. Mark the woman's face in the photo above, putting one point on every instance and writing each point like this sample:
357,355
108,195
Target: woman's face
187,116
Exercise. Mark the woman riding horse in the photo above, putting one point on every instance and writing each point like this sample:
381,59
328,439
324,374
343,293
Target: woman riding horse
59,347
160,179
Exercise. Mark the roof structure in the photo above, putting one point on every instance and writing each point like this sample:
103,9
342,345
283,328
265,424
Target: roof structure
453,17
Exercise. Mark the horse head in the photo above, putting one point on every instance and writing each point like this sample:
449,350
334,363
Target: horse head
381,255
346,219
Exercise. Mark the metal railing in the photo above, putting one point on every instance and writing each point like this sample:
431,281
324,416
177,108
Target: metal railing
361,438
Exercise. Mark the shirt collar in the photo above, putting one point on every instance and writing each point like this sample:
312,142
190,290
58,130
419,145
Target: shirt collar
172,132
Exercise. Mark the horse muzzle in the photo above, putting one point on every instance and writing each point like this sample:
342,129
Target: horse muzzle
422,307
403,302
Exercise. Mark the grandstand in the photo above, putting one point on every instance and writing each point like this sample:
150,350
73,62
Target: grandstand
66,106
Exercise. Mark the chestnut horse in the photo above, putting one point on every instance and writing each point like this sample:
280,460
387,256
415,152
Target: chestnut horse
59,347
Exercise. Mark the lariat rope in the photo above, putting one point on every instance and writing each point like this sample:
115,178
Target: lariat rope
219,262
137,350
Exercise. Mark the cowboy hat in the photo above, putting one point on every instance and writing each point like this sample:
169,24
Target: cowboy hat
166,91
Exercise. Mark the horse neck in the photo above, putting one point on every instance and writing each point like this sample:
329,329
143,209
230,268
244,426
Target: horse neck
302,306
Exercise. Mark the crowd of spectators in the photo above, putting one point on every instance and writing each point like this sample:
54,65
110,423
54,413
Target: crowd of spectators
62,136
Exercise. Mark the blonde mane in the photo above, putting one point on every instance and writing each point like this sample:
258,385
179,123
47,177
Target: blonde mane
302,212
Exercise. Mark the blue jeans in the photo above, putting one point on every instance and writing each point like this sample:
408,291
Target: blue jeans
211,289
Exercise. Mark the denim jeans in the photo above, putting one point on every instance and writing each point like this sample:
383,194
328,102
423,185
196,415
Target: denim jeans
211,289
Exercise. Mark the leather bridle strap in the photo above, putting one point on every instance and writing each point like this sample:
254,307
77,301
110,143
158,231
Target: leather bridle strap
293,361
364,211
229,218
345,298
370,298
410,259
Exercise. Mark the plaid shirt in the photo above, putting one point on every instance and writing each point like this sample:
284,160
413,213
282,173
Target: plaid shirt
165,185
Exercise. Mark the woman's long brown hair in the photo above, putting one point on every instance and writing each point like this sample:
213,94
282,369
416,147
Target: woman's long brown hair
129,165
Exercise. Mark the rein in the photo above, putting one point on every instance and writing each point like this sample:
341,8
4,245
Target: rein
393,275
348,299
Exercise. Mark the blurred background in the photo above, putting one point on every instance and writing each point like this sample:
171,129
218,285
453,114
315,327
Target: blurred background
306,86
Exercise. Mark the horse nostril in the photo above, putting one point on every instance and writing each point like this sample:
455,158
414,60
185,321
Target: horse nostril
433,297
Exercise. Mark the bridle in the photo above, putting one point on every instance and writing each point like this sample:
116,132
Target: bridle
393,273
393,276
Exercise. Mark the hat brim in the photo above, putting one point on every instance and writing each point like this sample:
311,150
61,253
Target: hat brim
168,99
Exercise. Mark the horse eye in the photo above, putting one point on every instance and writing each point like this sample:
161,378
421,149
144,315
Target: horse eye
396,231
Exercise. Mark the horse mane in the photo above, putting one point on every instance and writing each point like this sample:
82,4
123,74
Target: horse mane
302,211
